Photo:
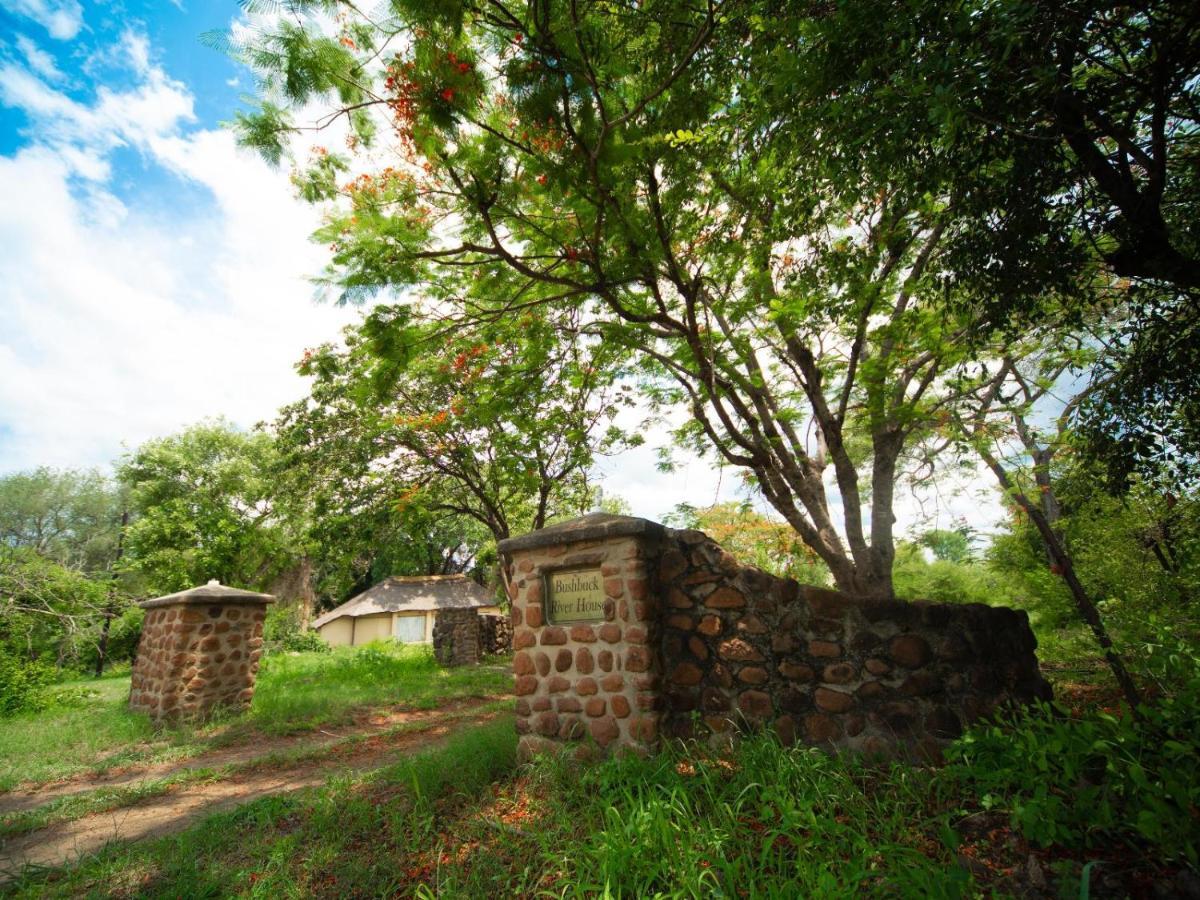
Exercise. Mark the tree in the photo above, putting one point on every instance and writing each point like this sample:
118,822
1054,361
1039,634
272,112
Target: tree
431,425
72,517
1069,131
755,539
357,535
76,519
949,545
203,508
1005,424
623,164
46,609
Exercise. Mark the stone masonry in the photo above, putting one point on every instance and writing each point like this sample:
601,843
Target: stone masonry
743,649
456,636
199,650
696,645
588,681
495,633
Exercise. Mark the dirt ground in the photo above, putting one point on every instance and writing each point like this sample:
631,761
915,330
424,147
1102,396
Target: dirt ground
370,743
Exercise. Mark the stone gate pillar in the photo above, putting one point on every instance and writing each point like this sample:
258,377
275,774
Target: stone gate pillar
456,638
584,610
199,650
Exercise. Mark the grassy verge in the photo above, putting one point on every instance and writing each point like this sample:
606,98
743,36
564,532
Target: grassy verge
295,693
333,841
76,806
1018,811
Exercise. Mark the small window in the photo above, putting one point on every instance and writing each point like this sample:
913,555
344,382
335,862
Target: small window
410,629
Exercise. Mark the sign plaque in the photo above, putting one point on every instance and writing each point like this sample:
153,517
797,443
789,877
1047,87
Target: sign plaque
575,595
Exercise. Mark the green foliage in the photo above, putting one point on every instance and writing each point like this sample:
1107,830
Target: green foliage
1068,131
1090,780
801,328
23,684
950,581
47,612
1139,556
491,426
755,539
282,632
204,507
949,545
72,517
125,631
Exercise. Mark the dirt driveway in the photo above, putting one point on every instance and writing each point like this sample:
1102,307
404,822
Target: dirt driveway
266,766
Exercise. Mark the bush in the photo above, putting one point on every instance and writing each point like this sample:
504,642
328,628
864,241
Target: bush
303,642
23,684
282,633
124,632
1081,782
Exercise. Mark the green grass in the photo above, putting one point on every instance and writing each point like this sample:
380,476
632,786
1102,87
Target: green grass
103,799
760,821
307,690
465,822
319,841
295,693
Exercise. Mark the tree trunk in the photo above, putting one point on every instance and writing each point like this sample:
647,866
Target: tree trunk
1083,602
110,610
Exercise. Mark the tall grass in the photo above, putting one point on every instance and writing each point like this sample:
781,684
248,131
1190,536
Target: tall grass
304,690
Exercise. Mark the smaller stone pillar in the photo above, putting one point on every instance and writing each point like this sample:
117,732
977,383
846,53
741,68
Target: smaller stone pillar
199,650
456,636
585,619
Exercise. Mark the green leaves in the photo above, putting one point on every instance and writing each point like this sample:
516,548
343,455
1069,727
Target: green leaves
264,130
204,501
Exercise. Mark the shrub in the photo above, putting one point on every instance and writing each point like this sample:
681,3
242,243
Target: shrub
1080,782
124,632
282,632
23,684
303,642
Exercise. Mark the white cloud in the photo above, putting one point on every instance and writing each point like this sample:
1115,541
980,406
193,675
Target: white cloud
38,59
634,476
157,106
62,18
118,325
137,51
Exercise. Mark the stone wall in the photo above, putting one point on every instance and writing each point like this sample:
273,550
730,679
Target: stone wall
199,650
743,649
495,634
694,645
456,636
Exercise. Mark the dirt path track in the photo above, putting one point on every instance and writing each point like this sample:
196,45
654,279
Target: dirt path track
347,753
26,797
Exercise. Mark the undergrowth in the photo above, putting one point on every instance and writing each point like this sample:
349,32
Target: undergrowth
1075,797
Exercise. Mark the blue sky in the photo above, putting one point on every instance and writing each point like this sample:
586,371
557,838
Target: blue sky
152,274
